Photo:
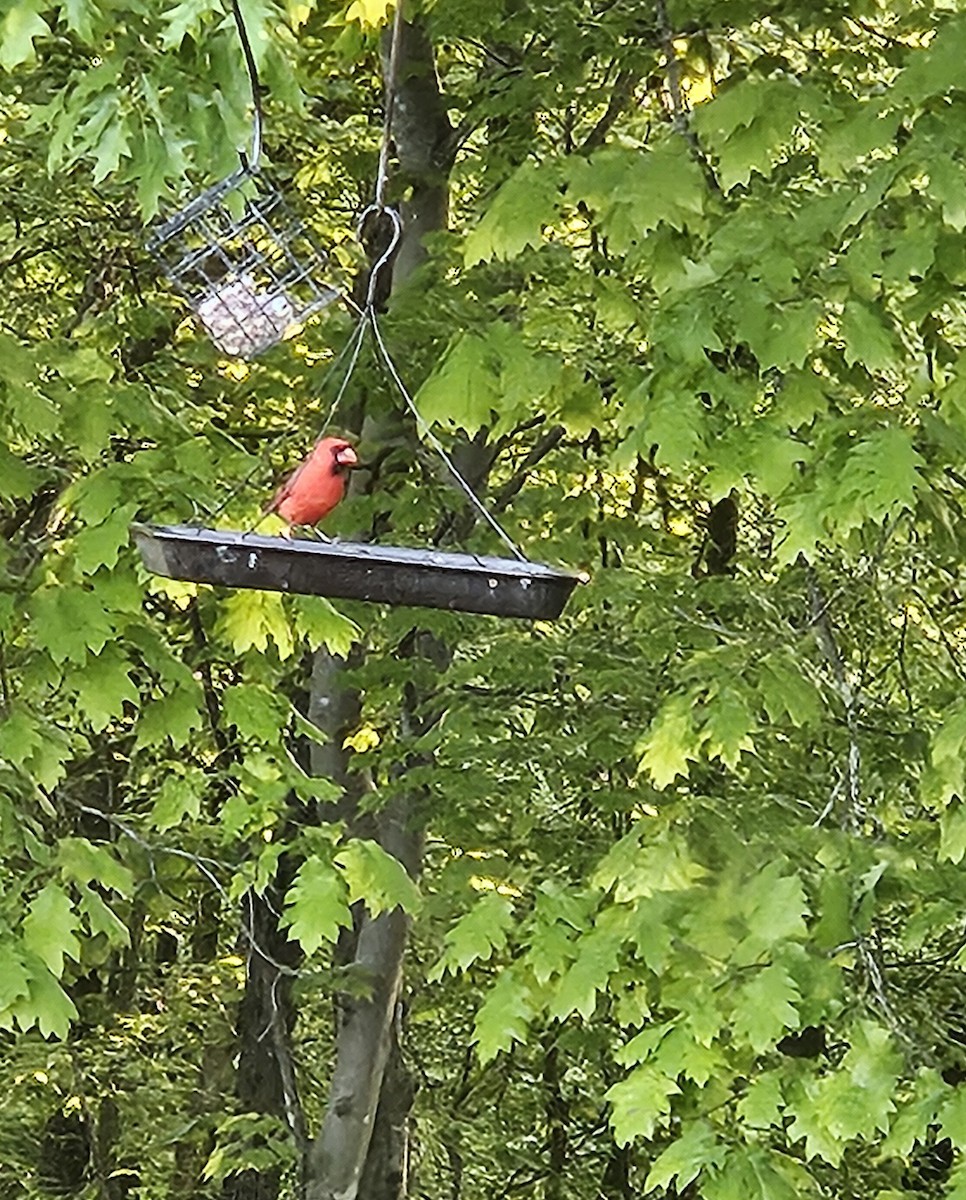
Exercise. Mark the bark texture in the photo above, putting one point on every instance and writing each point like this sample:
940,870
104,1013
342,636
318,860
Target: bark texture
265,1079
362,1148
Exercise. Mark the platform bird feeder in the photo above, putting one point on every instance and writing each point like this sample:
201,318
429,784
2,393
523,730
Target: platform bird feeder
247,266
356,571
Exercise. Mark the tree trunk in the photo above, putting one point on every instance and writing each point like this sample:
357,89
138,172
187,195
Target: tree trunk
363,1146
265,1080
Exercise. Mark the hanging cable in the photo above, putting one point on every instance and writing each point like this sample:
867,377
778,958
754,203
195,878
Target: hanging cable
251,161
437,445
367,318
382,174
351,348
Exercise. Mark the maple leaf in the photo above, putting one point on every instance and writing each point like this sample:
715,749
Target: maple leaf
49,929
765,1008
670,743
476,935
83,862
516,215
316,905
47,1006
504,1016
695,1148
377,878
21,26
640,1103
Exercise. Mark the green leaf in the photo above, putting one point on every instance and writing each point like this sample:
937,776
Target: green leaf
765,1007
774,906
47,1006
780,336
256,712
68,622
868,340
916,1113
671,420
727,727
948,755
755,1173
184,19
79,15
320,623
640,1103
761,1105
936,68
596,960
14,981
82,862
477,935
504,1016
20,26
810,1123
883,475
464,389
633,191
249,618
952,1119
856,1101
516,215
377,878
952,826
695,1148
157,159
748,125
316,905
98,546
645,863
671,742
173,718
17,479
102,918
787,693
49,929
180,796
368,12
801,399
104,685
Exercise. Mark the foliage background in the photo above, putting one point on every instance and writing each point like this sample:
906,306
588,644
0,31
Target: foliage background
691,918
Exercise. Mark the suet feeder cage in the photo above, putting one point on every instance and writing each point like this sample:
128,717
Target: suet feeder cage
246,265
252,274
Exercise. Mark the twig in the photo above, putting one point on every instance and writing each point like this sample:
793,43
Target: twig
550,440
200,862
852,816
679,110
620,96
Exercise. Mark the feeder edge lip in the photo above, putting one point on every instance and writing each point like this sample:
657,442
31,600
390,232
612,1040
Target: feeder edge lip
403,555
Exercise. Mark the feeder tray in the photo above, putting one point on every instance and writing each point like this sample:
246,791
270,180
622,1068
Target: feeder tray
248,268
355,571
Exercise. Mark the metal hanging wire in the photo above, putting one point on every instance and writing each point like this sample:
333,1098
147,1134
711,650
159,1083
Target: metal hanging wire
250,161
367,317
248,267
425,428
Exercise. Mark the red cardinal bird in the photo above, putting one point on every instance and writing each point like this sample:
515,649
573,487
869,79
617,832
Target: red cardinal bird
317,485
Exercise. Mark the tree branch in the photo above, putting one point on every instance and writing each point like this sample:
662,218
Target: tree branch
621,94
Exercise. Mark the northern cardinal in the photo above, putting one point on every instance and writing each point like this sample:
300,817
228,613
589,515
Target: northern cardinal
317,485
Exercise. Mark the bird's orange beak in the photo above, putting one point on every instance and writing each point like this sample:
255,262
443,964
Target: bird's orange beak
347,457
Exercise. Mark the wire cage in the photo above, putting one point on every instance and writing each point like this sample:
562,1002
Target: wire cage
247,266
